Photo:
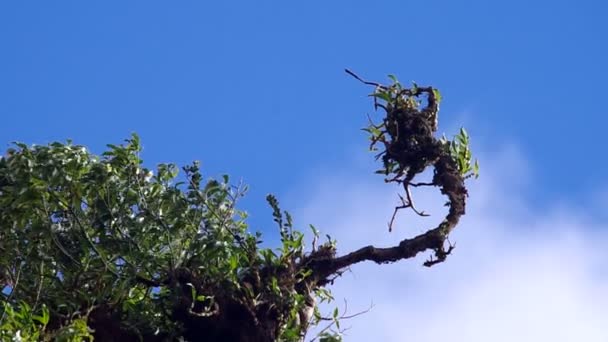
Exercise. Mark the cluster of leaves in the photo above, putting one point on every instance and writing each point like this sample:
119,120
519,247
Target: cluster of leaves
405,129
405,104
103,239
460,151
296,290
23,324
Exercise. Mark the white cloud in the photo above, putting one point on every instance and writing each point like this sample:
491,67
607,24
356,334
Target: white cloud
516,274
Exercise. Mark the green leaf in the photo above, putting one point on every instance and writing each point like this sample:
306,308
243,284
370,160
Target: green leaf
437,95
463,132
192,290
234,261
315,231
382,95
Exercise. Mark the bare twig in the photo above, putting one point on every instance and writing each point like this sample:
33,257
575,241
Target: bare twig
405,203
375,84
341,317
410,201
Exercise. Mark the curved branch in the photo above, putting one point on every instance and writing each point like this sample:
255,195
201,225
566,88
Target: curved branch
410,147
408,248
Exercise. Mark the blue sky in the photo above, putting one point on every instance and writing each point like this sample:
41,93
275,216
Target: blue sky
257,89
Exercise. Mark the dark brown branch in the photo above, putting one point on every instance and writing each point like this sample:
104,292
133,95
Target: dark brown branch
410,143
375,84
433,239
415,185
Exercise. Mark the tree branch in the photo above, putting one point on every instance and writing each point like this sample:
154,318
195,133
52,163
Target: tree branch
410,145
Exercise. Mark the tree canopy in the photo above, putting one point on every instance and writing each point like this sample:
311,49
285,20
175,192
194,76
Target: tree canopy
104,248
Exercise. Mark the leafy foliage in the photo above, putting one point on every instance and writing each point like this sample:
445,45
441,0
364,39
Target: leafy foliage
90,239
460,151
103,248
400,103
22,324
